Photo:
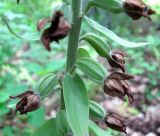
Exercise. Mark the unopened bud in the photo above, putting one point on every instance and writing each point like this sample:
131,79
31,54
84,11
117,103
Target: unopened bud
116,85
137,9
117,59
116,122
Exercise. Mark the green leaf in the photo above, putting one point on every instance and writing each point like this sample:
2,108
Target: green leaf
45,86
76,103
35,120
108,33
113,6
29,37
3,97
11,104
3,109
92,69
97,131
101,47
7,131
82,53
96,110
47,129
62,124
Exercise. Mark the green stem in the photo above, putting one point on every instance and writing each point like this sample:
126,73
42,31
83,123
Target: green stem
73,40
74,34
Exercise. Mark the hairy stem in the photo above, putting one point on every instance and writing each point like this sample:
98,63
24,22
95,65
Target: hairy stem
74,34
73,39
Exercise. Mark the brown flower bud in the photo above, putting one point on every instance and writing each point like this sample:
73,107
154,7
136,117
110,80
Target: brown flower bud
116,122
116,85
117,59
137,8
58,29
29,101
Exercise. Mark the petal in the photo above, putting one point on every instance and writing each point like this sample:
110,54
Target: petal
33,103
116,122
42,23
22,95
56,20
130,97
136,9
117,116
115,64
114,88
128,92
121,76
45,39
61,31
122,98
119,52
134,16
20,105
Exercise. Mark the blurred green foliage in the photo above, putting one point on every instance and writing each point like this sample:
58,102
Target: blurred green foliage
22,62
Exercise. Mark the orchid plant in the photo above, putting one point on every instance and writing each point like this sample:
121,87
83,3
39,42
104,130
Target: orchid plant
77,113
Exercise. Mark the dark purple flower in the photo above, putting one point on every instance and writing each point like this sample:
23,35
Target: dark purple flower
58,29
116,122
42,23
137,8
116,85
29,101
117,59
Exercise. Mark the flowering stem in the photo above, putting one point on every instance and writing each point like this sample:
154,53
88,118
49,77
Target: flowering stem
73,40
74,34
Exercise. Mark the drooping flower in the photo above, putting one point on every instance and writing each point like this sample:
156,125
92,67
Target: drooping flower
116,85
137,9
29,101
117,59
116,122
58,29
